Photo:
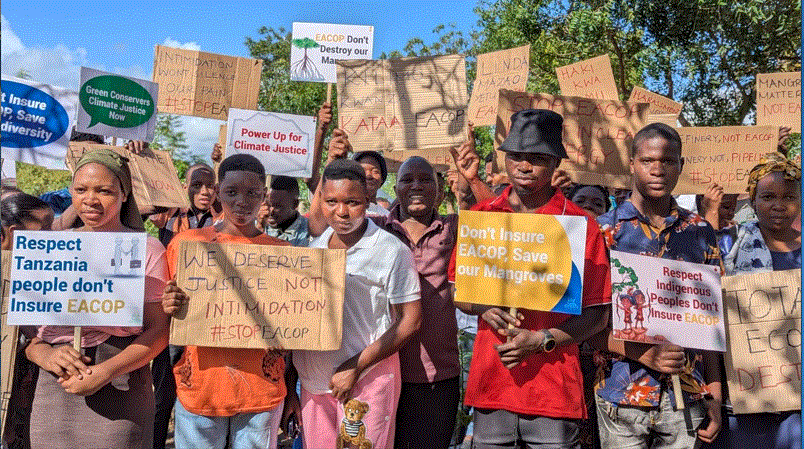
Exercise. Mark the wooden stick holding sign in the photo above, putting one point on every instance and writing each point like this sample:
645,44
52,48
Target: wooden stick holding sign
77,338
329,93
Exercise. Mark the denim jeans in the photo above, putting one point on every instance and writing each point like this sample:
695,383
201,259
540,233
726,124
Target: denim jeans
244,430
644,427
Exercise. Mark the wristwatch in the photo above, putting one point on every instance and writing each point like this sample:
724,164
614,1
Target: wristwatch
548,342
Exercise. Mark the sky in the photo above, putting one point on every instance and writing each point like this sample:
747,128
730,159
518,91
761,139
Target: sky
52,40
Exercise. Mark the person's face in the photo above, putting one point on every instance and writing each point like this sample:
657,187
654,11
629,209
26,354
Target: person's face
529,172
373,174
97,196
776,202
417,188
590,199
241,193
41,220
281,207
345,202
656,167
621,195
728,207
201,189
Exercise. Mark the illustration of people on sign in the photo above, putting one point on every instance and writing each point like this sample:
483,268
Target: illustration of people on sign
119,252
632,305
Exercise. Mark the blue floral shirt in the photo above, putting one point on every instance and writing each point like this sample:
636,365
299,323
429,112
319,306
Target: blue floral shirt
684,236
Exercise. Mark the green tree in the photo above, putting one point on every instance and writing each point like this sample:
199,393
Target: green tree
169,137
37,180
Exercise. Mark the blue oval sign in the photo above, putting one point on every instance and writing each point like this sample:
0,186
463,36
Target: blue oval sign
31,117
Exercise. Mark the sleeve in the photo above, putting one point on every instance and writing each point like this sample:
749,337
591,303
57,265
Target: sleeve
403,280
451,266
156,272
712,255
597,270
170,257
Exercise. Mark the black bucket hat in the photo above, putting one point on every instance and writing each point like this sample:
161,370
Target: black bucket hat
383,168
535,131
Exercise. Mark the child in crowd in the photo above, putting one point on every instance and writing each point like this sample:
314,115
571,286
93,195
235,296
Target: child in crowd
226,394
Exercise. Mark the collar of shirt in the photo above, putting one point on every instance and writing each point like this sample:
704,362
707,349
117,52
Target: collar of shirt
394,221
556,205
627,211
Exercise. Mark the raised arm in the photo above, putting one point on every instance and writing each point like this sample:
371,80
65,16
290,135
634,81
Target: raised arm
324,119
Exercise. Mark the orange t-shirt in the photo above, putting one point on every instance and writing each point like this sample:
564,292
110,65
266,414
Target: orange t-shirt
226,381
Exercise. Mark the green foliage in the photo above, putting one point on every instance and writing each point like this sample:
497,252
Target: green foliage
36,180
628,277
305,43
169,137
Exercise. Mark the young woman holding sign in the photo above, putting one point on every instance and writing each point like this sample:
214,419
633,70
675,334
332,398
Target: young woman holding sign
768,244
103,398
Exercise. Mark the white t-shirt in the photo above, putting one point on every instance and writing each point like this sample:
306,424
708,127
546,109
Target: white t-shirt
379,272
376,209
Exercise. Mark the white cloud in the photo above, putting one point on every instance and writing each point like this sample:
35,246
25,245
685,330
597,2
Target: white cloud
59,65
170,42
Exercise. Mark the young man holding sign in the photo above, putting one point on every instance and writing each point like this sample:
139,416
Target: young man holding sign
634,400
528,390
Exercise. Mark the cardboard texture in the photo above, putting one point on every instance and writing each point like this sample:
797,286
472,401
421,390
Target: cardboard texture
657,300
658,104
403,104
504,69
8,343
153,176
591,78
520,260
597,133
205,84
260,296
779,99
724,154
763,365
668,119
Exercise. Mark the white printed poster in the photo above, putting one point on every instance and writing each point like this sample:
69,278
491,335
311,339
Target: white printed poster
282,142
316,46
37,122
77,278
657,300
114,105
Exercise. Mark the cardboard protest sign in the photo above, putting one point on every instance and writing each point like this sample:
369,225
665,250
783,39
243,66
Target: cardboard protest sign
670,120
763,365
723,154
205,84
37,122
257,296
77,278
597,133
8,343
153,176
779,99
316,46
284,143
520,260
504,69
403,104
591,78
114,105
657,300
658,104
